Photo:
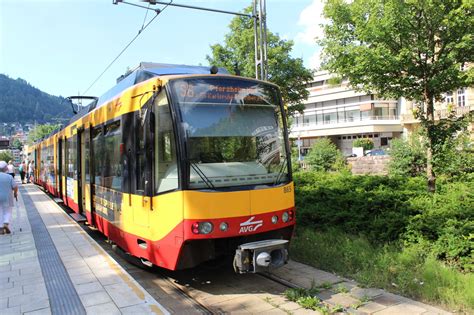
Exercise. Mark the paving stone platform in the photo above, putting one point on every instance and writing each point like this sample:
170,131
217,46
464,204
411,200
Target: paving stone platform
337,291
63,270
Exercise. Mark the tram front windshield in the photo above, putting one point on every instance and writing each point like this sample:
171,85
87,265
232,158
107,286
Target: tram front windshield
233,130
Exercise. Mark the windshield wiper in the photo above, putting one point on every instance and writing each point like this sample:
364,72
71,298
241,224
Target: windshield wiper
280,172
201,174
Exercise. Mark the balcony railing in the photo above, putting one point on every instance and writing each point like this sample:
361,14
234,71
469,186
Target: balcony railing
442,113
345,121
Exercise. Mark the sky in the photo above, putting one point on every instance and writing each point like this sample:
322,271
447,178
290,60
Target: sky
62,46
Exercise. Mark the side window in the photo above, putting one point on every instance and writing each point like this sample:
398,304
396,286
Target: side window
166,170
87,153
71,158
140,150
112,166
98,150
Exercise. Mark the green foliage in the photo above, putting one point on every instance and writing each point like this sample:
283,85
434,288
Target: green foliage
365,143
385,46
407,270
41,131
412,49
5,156
237,55
325,156
408,156
16,144
452,155
389,209
21,102
376,206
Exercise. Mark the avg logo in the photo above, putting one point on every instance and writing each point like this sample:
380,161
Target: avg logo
250,226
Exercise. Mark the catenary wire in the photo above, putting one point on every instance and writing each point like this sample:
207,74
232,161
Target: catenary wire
158,11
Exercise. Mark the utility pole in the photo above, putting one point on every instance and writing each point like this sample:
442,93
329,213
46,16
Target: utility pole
258,15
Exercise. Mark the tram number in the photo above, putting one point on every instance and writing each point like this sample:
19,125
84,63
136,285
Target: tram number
287,189
186,90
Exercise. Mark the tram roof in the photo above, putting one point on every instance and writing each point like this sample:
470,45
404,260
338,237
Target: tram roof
144,71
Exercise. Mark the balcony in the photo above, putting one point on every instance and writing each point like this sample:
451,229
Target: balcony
443,113
365,124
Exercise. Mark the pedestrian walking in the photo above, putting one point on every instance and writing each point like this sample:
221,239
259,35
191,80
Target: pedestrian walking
22,170
11,169
31,172
8,190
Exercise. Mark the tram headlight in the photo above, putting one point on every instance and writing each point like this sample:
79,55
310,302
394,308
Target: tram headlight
224,226
285,216
205,227
275,219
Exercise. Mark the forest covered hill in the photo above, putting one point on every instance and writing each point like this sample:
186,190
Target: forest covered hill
23,103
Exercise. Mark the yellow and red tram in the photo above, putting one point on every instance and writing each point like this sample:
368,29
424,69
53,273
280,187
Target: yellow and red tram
178,166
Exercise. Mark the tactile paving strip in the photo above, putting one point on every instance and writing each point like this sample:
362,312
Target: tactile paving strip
63,297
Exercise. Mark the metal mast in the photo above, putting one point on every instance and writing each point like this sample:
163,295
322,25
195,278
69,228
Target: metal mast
260,39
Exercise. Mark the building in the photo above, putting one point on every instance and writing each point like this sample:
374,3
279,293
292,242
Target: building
336,111
460,101
4,143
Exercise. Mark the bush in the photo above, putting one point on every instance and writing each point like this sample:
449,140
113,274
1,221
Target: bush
5,156
408,157
385,209
375,206
365,143
325,156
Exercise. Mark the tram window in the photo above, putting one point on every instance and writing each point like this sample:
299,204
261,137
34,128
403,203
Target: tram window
112,176
140,153
71,158
87,153
166,171
98,153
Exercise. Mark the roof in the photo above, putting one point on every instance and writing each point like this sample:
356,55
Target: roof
144,71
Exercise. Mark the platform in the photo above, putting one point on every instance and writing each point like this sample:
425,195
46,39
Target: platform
49,265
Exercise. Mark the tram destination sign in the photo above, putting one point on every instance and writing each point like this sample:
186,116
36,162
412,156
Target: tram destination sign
225,91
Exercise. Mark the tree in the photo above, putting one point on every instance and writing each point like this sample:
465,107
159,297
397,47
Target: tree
237,55
5,156
415,49
41,131
17,144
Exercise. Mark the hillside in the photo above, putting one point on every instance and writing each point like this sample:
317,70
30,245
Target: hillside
21,102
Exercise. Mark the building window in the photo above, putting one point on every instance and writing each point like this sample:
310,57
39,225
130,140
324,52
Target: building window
449,99
461,97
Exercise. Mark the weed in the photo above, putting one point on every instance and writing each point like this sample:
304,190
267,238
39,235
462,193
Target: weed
340,288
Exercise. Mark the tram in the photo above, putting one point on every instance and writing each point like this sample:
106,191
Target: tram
178,165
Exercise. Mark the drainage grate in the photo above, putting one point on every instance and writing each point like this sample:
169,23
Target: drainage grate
63,297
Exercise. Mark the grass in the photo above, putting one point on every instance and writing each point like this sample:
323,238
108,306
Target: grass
404,270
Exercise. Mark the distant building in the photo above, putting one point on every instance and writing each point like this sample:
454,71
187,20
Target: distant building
338,112
4,143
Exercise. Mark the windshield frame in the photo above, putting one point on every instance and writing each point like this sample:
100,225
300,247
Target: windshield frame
185,164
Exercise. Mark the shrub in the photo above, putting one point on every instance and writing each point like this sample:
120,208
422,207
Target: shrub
365,143
5,156
408,157
325,156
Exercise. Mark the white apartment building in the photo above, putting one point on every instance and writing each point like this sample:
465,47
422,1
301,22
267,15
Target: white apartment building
338,112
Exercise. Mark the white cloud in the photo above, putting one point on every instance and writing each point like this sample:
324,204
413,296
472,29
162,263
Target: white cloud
315,60
311,19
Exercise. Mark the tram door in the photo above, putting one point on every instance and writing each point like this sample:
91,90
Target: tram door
85,174
59,167
80,169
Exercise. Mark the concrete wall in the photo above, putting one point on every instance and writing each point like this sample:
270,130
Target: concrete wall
376,165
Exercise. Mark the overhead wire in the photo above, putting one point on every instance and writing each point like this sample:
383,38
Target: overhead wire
157,11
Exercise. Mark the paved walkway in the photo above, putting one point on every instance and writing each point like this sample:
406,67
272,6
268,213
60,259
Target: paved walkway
337,291
63,270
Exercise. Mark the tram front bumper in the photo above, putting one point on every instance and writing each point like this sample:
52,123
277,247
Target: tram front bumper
261,256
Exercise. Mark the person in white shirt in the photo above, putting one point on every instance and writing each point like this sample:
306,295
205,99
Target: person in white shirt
8,190
11,169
